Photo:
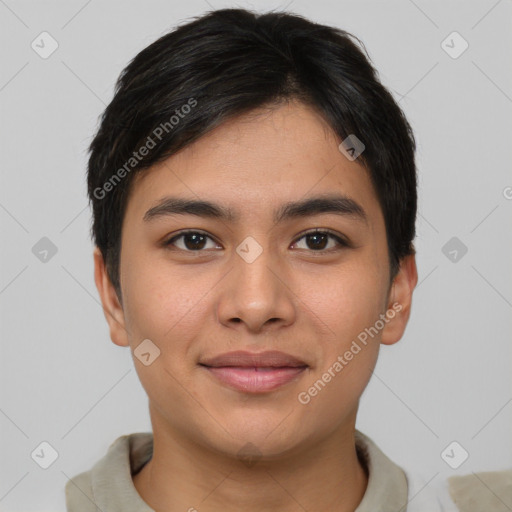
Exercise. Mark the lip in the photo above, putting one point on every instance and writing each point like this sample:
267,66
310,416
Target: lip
254,380
254,372
242,358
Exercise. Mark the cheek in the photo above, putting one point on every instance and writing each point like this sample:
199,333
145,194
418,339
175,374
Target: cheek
347,349
160,303
345,306
164,307
346,300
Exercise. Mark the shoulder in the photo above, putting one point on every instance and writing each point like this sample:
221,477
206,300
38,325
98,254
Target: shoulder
79,493
473,492
482,491
428,494
109,480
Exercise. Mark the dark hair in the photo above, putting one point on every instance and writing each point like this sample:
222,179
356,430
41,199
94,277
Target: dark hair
229,62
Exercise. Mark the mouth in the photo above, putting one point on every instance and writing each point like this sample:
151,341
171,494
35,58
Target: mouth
254,372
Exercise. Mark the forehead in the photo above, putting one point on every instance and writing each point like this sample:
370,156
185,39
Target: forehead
252,163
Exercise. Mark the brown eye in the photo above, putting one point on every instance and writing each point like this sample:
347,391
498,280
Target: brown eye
318,241
191,241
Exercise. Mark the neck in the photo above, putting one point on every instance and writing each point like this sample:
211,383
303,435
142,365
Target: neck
326,476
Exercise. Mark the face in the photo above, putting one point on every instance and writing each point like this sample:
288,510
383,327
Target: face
199,284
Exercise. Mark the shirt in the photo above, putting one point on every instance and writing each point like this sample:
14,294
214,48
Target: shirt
108,485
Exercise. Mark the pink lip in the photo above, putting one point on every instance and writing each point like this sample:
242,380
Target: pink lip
254,372
255,379
269,358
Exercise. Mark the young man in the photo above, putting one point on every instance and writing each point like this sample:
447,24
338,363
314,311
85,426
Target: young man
253,188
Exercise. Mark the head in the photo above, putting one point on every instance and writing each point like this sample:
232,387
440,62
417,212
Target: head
231,118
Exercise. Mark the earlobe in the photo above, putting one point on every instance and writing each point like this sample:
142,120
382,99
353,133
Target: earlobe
400,300
112,308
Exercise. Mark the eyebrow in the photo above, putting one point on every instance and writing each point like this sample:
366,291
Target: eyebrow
337,204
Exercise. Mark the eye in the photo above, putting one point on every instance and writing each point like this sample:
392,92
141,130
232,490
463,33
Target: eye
193,241
320,238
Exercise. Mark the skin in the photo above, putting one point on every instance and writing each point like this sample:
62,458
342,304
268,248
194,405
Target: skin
309,302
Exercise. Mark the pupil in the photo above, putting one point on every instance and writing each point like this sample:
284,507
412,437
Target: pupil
195,237
319,235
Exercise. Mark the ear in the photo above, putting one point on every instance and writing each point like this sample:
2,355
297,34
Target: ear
112,308
400,301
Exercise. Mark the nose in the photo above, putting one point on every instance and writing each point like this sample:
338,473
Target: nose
256,294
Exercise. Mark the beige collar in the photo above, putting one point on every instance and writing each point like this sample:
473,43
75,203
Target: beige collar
109,485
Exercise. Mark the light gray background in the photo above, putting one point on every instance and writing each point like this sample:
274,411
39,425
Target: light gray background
63,381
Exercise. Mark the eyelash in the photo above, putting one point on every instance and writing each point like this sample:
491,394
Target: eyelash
342,243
